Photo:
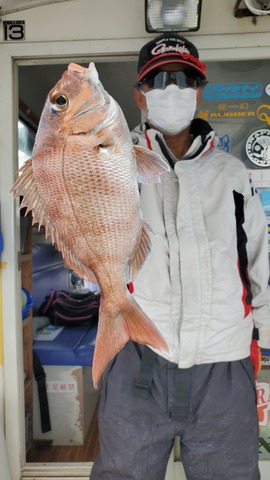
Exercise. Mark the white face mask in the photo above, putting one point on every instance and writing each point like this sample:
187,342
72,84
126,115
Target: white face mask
171,110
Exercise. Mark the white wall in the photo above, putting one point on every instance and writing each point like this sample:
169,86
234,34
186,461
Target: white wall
107,19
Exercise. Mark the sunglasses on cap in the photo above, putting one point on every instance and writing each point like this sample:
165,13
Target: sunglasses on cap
162,78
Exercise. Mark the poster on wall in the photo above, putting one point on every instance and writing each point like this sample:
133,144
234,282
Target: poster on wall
263,405
236,103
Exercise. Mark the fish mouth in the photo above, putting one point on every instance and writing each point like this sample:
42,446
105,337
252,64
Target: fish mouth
82,73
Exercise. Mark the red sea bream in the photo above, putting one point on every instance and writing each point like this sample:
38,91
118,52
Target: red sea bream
81,184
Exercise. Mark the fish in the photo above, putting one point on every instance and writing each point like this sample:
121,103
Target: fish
81,184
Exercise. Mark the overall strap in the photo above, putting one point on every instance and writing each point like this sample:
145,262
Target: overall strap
40,377
143,384
181,400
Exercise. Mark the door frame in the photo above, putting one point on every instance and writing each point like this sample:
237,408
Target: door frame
212,47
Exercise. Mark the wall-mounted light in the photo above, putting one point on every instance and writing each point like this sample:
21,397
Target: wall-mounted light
172,15
254,8
258,7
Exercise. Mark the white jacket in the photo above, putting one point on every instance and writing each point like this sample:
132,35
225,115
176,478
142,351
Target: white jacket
209,254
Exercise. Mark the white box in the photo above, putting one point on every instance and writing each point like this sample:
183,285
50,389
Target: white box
72,401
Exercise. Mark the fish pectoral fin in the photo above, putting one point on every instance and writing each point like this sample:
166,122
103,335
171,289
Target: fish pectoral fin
114,331
150,165
141,253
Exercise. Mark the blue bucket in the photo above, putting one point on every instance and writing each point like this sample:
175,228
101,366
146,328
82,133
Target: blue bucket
27,303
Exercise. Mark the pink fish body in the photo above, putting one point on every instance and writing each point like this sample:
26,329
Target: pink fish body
81,184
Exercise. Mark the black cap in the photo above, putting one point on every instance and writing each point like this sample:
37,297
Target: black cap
169,48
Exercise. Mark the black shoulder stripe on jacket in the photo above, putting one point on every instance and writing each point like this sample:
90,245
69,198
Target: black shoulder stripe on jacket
242,247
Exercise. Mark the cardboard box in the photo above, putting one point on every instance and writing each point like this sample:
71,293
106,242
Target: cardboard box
72,401
66,355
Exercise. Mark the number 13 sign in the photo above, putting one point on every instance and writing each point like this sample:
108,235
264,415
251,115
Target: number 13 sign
14,30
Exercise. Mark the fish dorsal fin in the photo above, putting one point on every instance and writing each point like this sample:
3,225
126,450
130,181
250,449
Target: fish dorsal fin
26,186
150,165
141,253
93,74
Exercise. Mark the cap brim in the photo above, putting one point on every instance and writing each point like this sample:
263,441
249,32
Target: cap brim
163,60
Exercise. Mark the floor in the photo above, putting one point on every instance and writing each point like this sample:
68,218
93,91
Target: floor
42,452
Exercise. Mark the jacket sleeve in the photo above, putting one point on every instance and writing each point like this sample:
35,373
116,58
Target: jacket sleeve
255,226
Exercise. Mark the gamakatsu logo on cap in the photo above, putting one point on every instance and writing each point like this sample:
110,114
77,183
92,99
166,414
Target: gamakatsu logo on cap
162,49
258,147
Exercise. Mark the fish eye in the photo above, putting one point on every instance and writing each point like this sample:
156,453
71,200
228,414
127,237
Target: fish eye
59,102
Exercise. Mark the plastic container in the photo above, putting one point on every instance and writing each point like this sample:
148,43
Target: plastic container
27,302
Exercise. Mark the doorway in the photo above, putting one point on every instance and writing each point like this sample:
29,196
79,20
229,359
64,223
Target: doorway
14,57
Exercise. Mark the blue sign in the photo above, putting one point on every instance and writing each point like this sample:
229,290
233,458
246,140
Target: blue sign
224,91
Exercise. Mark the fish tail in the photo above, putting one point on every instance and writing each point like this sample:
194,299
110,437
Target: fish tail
114,331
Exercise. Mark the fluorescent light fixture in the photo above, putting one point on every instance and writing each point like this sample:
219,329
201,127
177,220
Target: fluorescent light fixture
172,15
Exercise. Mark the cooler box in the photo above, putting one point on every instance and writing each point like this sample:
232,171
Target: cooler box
65,345
66,355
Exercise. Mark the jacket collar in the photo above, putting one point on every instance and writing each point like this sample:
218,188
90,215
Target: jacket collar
204,138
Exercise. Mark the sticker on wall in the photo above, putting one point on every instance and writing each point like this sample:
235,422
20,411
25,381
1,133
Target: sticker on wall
207,114
219,91
224,143
265,199
14,30
267,89
263,113
258,147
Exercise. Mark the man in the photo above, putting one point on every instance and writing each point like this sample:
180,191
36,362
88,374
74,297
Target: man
204,286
